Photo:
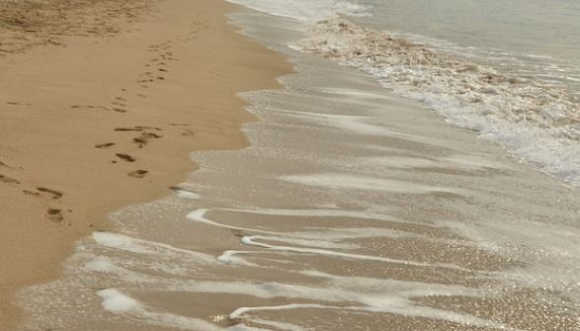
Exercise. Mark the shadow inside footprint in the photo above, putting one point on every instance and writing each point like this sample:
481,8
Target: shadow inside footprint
145,137
52,193
125,157
129,129
55,215
138,128
138,173
105,145
8,180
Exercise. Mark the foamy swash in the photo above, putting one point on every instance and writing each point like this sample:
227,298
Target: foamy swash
537,120
541,124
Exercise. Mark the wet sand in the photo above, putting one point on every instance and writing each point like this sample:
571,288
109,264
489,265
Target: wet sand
351,210
101,103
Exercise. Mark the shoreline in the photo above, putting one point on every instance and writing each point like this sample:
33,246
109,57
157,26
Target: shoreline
109,121
350,208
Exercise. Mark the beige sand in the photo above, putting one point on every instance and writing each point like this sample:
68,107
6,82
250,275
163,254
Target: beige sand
100,104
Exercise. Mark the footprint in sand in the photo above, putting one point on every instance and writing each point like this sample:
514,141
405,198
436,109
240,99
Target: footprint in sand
138,128
138,173
119,105
54,215
187,133
8,180
128,129
53,194
27,192
105,145
125,157
144,138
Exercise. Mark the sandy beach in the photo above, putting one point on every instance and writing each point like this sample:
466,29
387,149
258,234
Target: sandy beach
100,104
283,165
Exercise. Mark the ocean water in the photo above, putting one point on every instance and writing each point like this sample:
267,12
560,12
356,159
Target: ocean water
508,70
358,206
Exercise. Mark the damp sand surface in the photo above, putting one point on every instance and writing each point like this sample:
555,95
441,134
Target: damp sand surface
101,103
351,210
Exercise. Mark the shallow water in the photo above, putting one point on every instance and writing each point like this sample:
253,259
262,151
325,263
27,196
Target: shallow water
353,209
509,71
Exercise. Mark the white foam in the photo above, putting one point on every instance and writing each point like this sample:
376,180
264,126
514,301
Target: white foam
100,264
353,182
240,312
280,325
374,295
242,327
460,162
112,240
538,123
103,264
250,241
352,123
187,195
316,239
396,307
233,257
321,238
405,288
117,302
362,214
139,246
198,215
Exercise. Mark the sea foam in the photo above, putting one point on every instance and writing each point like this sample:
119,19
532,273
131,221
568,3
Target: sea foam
536,122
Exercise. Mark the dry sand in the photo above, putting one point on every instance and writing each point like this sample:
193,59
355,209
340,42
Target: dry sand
100,103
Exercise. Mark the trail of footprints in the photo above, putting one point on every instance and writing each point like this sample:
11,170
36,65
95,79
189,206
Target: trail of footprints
162,55
141,137
144,135
51,195
157,68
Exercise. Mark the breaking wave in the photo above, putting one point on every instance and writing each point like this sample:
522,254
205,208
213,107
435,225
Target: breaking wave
536,122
